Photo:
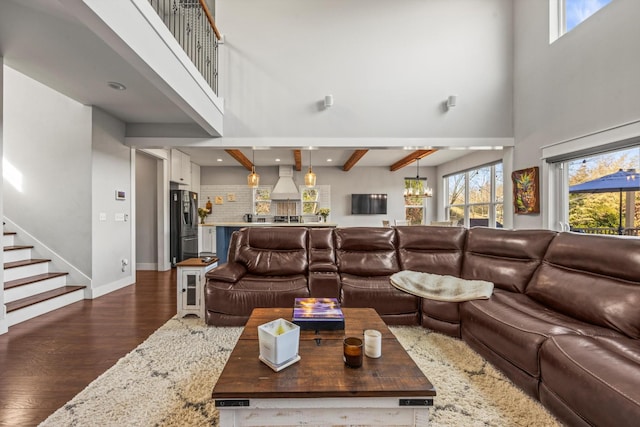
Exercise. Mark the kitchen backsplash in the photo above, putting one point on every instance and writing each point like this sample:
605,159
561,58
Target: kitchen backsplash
231,202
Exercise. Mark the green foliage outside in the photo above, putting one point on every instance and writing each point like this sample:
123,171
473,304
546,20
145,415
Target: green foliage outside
600,210
414,205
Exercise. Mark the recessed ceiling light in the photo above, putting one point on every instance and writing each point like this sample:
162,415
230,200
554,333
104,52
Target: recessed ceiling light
116,86
277,160
219,160
329,160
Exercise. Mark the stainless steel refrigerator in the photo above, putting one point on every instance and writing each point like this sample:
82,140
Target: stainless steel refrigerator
184,225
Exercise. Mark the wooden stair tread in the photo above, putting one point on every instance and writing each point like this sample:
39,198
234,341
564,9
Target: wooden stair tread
32,279
17,247
45,296
24,262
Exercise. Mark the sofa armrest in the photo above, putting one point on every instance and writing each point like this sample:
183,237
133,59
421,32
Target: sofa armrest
230,272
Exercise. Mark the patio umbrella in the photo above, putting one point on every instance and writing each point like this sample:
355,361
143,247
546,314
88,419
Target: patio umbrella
623,180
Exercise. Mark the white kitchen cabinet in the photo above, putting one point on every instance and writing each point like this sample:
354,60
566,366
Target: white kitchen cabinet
180,167
207,239
195,180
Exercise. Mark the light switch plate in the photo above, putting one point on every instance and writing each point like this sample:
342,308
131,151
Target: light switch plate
119,217
103,216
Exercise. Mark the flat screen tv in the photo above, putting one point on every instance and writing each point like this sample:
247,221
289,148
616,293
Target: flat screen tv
369,204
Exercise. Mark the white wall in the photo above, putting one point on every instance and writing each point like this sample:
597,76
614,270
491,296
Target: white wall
146,211
389,65
3,324
583,83
111,171
47,139
342,184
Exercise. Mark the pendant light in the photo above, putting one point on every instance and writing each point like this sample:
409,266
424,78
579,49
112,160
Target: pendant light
416,187
310,177
253,179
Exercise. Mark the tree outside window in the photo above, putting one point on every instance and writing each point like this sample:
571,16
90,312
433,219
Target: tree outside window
598,212
414,205
475,197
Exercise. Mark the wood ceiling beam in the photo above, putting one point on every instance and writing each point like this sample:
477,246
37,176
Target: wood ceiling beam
297,157
355,158
240,158
407,160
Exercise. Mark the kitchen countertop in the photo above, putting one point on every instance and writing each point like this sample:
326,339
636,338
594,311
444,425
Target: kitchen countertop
269,224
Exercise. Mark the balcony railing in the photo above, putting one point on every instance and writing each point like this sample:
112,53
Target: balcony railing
608,230
193,26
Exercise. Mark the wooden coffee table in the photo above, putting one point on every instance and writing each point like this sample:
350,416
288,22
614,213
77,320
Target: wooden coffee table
320,389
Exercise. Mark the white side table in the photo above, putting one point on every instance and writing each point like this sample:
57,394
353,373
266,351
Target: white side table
190,287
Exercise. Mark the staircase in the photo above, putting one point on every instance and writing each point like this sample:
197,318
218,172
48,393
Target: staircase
30,289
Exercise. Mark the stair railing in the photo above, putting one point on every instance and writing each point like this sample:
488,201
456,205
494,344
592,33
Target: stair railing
193,26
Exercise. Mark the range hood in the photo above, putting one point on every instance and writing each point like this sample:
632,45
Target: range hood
285,188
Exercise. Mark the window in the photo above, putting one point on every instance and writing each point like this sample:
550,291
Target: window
571,13
415,195
603,211
475,197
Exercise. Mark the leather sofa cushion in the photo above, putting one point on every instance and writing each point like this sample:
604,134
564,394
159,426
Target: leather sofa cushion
597,377
253,291
436,250
595,279
515,327
234,244
508,258
441,310
376,292
322,256
274,251
366,251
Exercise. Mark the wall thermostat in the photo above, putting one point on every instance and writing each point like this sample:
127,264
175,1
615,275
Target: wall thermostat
120,195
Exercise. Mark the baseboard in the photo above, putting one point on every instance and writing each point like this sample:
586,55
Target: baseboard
152,266
92,293
4,326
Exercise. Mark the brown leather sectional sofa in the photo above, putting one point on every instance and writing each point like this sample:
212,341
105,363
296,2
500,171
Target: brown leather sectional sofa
563,322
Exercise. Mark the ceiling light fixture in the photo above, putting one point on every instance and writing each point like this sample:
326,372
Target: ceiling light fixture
310,177
253,179
417,186
116,86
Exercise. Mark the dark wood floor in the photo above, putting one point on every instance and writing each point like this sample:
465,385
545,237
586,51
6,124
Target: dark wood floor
46,361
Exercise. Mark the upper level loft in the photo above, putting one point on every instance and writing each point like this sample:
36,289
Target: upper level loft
160,56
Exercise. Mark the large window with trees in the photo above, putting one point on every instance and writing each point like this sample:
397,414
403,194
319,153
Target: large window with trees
475,197
597,207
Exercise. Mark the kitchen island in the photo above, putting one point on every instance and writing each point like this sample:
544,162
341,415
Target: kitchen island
225,229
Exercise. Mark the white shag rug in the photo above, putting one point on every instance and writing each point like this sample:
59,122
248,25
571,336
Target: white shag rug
167,381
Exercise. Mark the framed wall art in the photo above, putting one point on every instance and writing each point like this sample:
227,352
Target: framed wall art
526,191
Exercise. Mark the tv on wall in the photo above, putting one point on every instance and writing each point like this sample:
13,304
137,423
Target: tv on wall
369,204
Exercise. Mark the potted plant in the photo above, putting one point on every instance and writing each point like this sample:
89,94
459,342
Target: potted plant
324,213
202,213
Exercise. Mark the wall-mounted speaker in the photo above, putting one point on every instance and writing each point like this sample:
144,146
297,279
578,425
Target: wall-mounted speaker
452,101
